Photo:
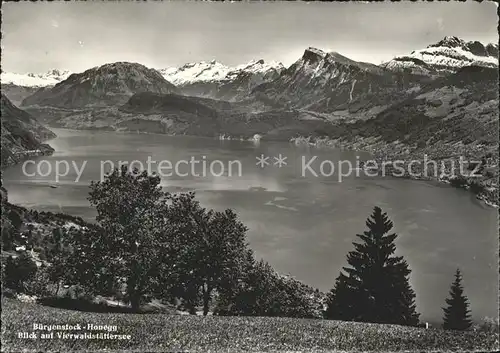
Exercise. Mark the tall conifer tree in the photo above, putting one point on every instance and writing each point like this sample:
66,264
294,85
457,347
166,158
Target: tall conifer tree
375,288
457,314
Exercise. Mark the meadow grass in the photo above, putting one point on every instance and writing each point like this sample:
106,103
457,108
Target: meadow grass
162,332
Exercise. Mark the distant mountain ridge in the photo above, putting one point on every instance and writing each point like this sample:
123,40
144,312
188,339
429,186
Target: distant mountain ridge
104,85
215,80
212,71
212,79
19,86
445,111
48,78
319,83
330,82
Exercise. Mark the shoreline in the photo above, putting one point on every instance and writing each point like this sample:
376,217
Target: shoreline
26,154
378,157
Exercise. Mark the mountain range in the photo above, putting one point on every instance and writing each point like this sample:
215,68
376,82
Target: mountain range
443,97
101,86
48,78
304,83
332,83
206,79
215,80
20,86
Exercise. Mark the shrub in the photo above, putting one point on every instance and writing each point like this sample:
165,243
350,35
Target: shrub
488,324
421,144
38,285
489,174
458,182
472,166
26,298
264,292
476,187
19,272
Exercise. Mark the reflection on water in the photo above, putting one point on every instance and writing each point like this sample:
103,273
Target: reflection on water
301,225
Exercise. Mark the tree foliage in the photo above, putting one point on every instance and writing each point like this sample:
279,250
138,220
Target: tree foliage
207,251
375,288
147,243
151,243
124,248
457,313
263,292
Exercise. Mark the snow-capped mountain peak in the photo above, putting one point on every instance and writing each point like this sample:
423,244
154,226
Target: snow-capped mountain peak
260,66
202,71
48,78
216,80
214,71
446,56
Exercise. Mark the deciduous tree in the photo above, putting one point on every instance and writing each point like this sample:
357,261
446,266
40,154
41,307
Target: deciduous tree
130,238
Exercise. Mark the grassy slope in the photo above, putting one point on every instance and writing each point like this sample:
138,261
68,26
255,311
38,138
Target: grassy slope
157,332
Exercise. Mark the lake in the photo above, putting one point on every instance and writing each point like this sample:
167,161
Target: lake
301,224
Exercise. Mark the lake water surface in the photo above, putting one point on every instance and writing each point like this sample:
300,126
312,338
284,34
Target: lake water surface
302,225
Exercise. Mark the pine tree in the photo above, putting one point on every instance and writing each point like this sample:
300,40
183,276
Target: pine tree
457,314
375,288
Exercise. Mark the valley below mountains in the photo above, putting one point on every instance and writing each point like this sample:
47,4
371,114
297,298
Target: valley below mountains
441,101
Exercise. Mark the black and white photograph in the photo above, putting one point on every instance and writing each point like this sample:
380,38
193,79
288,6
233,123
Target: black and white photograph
249,176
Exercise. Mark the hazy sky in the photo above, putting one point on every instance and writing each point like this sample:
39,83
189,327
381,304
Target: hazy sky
75,36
